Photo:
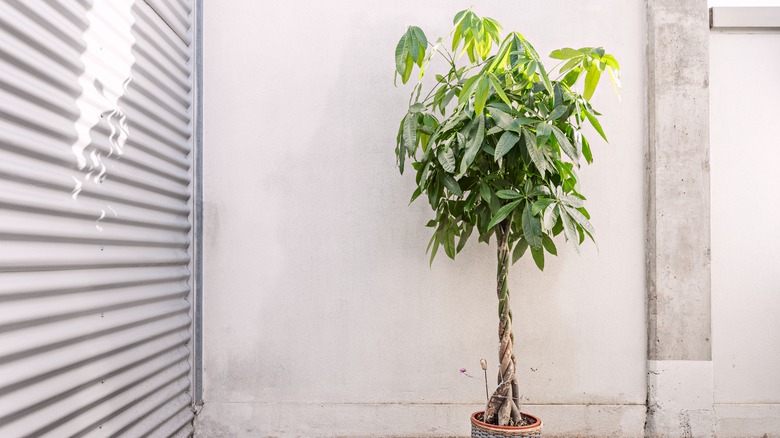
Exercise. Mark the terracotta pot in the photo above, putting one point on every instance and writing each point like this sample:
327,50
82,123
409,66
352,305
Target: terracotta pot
484,430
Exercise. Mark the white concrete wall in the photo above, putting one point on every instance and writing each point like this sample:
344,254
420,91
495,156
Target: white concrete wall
322,317
745,236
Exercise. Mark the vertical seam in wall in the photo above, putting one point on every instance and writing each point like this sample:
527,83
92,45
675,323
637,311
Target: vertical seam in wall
650,265
649,193
198,206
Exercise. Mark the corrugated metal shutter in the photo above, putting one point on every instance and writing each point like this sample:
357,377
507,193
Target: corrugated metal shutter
94,203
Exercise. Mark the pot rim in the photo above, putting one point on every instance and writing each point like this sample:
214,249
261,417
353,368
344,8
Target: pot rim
535,424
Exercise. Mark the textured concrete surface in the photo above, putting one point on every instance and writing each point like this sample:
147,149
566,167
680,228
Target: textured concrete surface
679,399
322,317
679,198
316,284
679,392
405,420
740,420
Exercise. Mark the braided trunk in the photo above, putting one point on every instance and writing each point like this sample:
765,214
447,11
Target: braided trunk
503,408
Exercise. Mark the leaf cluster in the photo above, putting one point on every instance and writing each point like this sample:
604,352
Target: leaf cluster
496,141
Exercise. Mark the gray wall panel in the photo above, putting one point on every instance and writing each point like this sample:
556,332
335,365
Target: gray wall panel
95,173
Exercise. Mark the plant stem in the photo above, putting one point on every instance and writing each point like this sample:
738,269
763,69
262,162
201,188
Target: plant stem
503,407
487,392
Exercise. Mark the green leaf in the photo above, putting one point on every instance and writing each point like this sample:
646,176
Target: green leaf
538,256
407,69
564,53
495,25
431,223
414,45
543,131
572,201
571,77
456,38
550,217
591,80
410,133
459,16
468,86
503,212
504,120
541,205
420,37
549,245
447,160
449,243
485,192
471,200
499,90
557,228
500,59
570,64
528,47
416,194
611,61
586,150
435,248
400,56
520,249
401,156
531,69
536,155
483,87
580,219
557,112
545,78
507,141
538,190
508,194
532,229
468,48
474,143
517,52
464,236
564,143
417,108
593,121
557,96
569,230
501,106
494,130
493,205
438,97
451,184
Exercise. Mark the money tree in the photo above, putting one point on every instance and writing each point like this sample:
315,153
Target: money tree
496,145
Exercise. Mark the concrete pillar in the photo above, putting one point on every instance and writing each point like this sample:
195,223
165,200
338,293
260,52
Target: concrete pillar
679,383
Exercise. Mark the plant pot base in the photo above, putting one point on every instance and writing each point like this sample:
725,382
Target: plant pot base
484,430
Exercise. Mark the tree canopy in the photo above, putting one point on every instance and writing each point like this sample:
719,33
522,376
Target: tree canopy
497,141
